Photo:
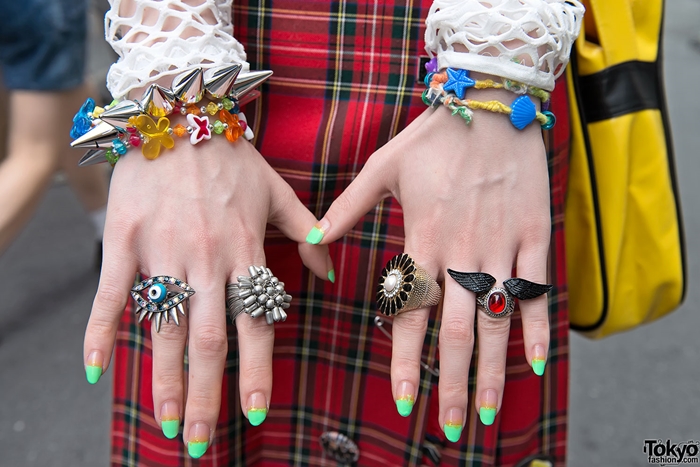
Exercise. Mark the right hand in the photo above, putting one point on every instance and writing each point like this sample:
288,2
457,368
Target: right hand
198,214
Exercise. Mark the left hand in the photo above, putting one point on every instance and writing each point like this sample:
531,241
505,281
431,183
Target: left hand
474,198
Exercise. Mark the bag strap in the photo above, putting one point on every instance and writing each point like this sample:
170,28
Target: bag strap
627,29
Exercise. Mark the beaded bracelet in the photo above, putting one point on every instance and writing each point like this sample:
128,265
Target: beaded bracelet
522,112
111,131
460,79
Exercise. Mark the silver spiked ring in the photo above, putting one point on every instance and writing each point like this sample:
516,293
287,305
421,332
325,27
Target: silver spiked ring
161,298
260,294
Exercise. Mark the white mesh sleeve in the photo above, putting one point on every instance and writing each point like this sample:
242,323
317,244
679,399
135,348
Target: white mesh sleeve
493,36
148,52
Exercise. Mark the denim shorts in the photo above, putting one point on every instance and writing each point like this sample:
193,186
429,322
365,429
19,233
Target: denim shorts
43,44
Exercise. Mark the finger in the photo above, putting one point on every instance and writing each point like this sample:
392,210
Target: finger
119,267
493,347
408,330
532,265
208,345
371,185
168,342
289,215
255,347
456,342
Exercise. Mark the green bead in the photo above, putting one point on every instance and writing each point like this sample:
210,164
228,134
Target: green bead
227,103
111,157
218,127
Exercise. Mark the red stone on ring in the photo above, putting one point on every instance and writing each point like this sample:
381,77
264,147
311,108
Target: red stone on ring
497,302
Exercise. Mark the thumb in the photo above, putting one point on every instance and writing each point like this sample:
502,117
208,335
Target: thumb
289,215
370,186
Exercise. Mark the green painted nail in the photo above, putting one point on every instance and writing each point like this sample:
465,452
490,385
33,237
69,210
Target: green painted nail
453,432
315,236
538,366
257,416
93,373
331,275
170,428
404,406
197,449
487,415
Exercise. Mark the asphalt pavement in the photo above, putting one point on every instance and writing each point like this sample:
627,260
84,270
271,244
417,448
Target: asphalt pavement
624,389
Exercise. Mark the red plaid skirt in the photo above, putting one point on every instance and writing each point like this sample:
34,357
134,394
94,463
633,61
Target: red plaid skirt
346,81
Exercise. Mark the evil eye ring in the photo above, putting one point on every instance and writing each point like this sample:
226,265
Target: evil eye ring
164,297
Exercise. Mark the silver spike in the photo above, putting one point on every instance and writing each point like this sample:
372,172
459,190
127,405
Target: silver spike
142,315
218,82
181,309
247,82
120,114
159,319
173,315
100,136
166,315
188,87
150,315
158,101
92,157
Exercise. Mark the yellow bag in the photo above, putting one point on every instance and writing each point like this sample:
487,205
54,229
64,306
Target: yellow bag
624,234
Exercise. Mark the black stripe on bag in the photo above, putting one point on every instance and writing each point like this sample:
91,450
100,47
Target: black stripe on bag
620,90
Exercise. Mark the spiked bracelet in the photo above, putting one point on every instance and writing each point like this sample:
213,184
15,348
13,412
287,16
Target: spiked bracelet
112,130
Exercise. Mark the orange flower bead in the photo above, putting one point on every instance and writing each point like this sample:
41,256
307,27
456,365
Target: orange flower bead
234,130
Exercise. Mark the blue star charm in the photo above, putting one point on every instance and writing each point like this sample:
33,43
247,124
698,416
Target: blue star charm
458,81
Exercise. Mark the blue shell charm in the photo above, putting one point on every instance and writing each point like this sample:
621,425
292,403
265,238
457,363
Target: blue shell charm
523,112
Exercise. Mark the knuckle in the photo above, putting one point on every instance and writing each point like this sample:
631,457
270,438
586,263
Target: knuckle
258,374
211,341
402,365
99,329
492,371
109,297
166,380
457,387
412,322
495,328
458,331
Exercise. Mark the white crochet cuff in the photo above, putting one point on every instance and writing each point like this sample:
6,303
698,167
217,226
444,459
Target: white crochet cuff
148,52
486,33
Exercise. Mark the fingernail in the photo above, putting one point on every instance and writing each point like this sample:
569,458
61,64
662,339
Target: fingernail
405,399
453,424
331,269
93,368
170,419
257,408
316,234
488,406
199,440
539,360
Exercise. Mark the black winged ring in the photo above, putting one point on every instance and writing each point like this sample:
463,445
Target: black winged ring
481,282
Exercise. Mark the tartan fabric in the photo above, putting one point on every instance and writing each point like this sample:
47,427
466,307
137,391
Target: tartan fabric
345,83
